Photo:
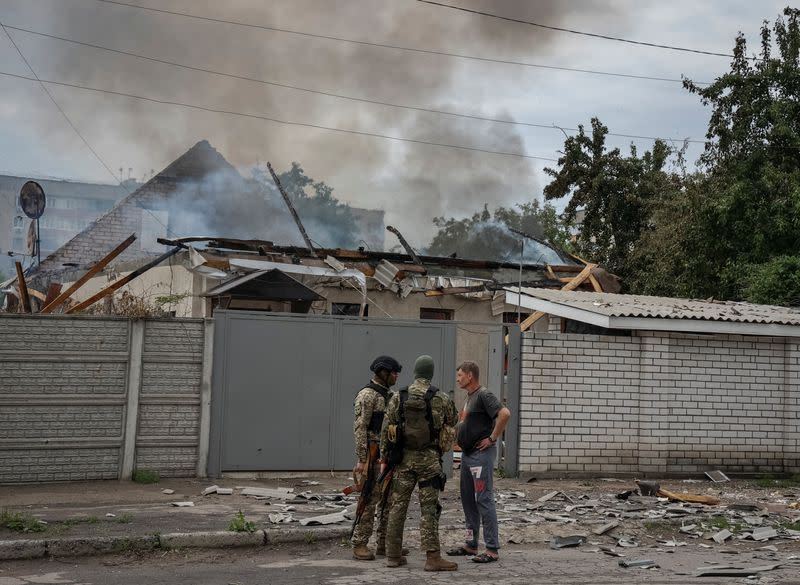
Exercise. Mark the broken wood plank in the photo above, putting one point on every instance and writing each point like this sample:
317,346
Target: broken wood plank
53,290
23,288
293,211
37,294
122,282
689,498
550,272
102,263
595,283
571,285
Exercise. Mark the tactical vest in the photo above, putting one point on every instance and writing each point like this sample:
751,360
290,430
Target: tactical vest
376,421
416,418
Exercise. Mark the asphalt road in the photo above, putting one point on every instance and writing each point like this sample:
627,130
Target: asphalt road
330,564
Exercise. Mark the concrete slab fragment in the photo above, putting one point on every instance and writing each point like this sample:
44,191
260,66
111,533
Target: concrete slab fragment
22,549
722,536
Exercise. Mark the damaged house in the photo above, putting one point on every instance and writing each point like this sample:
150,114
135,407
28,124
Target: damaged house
182,244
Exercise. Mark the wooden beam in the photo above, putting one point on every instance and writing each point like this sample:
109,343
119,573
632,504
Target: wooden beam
571,285
53,290
23,288
595,283
56,302
122,282
550,272
35,293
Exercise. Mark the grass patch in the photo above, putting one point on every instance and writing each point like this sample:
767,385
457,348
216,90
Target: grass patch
240,524
791,525
124,519
20,522
310,538
145,476
770,481
80,520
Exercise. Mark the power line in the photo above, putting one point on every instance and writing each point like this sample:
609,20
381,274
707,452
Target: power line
323,93
277,120
576,32
69,121
396,47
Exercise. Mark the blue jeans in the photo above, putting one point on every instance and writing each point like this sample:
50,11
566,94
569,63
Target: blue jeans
477,497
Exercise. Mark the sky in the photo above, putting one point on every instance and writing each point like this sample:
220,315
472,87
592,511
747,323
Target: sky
411,181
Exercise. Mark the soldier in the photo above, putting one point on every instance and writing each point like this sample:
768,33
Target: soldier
422,420
369,407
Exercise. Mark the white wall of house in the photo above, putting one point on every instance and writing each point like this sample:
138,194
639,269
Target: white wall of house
659,403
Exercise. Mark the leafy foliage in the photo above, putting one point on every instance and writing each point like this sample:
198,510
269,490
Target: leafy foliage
326,219
20,522
615,192
240,524
486,236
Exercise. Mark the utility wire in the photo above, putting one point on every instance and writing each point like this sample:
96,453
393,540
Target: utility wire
578,32
277,120
394,47
323,93
71,124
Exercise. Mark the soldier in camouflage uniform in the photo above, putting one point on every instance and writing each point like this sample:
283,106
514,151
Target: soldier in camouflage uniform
421,466
369,408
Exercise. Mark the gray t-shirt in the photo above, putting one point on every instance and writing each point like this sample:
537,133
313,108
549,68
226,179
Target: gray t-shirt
481,409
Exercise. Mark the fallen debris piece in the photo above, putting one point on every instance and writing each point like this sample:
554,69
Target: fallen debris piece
609,551
308,481
744,507
692,498
279,518
638,563
733,571
547,497
625,495
278,493
183,504
765,533
688,528
722,536
605,528
769,547
648,488
224,491
516,539
168,491
110,515
324,519
558,542
212,489
627,542
717,476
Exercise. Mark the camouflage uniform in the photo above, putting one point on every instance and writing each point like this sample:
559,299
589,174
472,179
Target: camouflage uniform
417,466
368,401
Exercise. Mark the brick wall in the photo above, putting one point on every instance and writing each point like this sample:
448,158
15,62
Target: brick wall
659,403
66,387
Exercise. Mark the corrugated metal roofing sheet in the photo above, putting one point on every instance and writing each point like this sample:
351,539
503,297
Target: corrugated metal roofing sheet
618,305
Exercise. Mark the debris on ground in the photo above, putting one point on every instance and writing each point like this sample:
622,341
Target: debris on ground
566,541
183,504
639,564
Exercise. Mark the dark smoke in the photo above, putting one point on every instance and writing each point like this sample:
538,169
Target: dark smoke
413,183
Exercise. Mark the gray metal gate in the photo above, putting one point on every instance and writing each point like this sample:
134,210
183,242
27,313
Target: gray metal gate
283,386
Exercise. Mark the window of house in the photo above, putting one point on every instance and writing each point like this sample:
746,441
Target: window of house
438,314
348,309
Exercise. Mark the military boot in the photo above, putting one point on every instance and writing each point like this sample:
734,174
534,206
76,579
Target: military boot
396,561
362,553
435,562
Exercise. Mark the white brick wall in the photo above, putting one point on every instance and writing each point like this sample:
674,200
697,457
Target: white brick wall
659,403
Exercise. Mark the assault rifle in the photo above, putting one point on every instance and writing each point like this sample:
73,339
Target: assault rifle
367,487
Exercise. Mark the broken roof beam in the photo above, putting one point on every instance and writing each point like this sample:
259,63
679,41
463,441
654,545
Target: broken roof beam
571,285
403,242
122,282
23,288
292,210
102,263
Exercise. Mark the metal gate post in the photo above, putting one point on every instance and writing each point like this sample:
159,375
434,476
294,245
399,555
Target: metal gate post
513,388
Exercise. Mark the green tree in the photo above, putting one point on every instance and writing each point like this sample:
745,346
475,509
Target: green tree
616,194
752,162
328,221
486,236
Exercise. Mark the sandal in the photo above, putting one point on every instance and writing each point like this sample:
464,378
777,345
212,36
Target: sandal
485,558
461,552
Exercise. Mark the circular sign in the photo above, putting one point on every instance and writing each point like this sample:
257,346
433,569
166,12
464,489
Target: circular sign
32,199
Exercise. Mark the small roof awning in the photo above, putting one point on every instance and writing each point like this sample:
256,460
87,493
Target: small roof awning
619,311
272,285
